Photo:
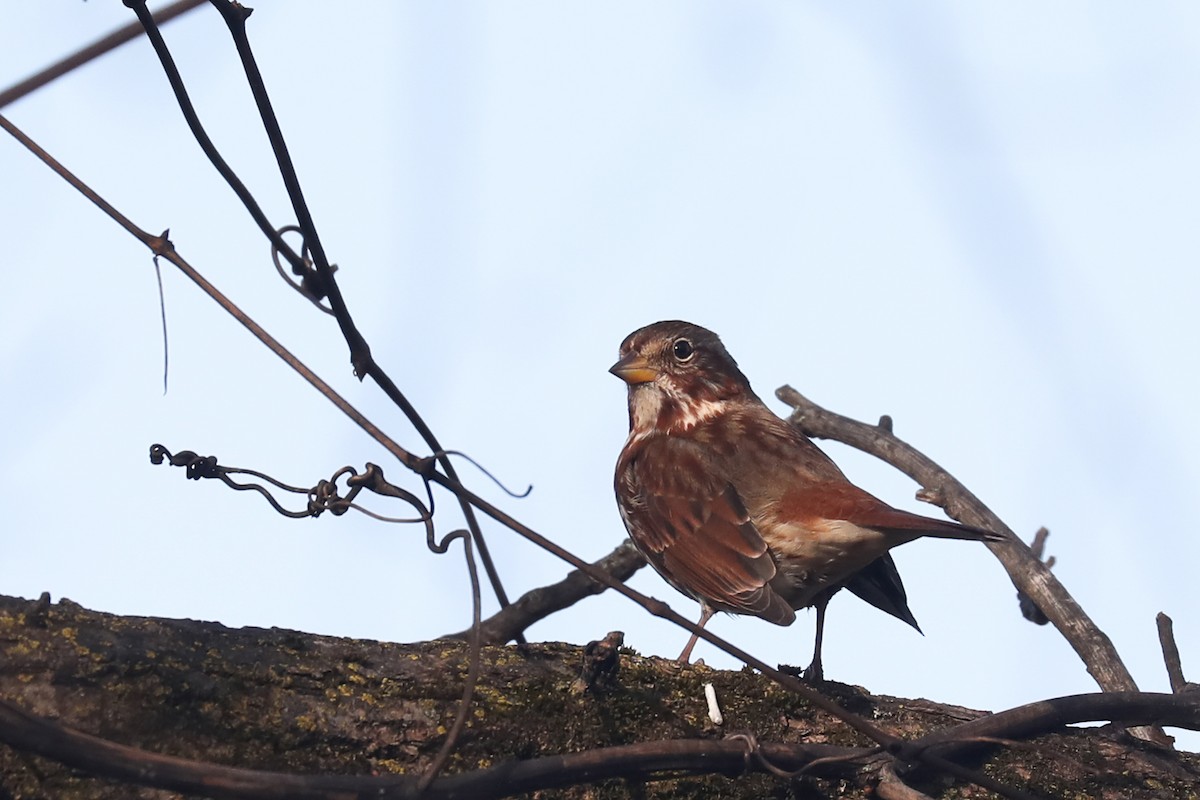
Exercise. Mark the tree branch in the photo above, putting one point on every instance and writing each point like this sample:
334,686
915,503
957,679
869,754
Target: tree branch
537,604
1031,577
200,691
93,51
1170,651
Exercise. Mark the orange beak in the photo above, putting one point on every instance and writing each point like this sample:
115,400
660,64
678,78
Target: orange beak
633,369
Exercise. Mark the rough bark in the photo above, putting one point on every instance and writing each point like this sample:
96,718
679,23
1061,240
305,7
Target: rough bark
287,701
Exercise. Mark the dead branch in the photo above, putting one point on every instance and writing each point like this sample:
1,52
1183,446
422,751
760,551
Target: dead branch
537,604
1170,651
1031,577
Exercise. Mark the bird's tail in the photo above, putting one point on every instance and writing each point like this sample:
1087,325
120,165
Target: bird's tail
915,525
879,584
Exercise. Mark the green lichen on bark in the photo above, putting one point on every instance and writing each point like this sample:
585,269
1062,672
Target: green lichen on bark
280,700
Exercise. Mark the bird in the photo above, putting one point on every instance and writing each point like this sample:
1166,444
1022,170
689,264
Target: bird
735,507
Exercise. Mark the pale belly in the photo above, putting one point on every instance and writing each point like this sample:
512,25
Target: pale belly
810,561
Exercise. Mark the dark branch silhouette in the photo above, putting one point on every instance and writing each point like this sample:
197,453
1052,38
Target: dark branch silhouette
537,604
1029,574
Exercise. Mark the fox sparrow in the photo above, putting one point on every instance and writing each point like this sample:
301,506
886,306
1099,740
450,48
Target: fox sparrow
738,509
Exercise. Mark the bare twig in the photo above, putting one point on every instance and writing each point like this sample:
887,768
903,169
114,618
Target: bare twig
1028,574
360,352
161,246
537,604
473,665
1134,708
1166,640
148,24
93,51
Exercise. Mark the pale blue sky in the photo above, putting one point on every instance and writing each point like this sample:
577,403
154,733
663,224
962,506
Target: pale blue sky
978,218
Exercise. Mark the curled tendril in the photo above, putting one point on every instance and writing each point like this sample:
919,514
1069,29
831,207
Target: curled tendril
429,462
324,496
310,285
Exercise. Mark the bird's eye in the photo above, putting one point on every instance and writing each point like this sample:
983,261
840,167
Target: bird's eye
683,350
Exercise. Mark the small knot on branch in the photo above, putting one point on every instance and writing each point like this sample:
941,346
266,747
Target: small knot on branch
160,245
425,467
38,612
601,664
885,423
934,495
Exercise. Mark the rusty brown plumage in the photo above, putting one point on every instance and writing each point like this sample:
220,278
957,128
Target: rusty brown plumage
735,507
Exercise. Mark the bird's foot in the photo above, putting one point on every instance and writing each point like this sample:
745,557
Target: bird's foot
812,674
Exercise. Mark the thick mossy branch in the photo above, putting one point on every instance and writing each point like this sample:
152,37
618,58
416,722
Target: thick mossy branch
291,702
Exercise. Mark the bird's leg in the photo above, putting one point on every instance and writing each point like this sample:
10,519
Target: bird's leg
815,673
706,614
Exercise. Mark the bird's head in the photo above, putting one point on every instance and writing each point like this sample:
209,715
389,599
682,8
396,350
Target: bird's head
679,375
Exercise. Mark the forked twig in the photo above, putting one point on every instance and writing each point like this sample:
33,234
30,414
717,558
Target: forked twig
537,604
1031,577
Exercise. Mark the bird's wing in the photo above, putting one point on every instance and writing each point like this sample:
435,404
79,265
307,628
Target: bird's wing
694,528
842,500
819,491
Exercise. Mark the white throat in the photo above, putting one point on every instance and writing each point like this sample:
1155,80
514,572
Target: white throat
649,402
